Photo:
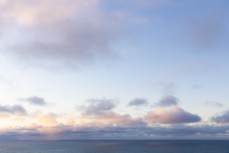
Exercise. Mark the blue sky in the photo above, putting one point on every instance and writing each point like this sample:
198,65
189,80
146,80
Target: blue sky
94,69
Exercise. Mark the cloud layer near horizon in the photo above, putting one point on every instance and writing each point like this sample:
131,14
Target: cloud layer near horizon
99,120
155,132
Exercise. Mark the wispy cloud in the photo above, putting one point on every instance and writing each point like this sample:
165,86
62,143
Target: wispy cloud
165,87
213,104
35,100
69,32
167,100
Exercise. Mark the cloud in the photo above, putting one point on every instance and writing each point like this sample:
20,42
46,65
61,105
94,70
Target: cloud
175,115
188,132
111,125
138,102
47,120
98,106
222,119
70,32
15,109
213,104
27,12
110,118
119,132
168,100
99,112
146,3
35,100
157,132
165,87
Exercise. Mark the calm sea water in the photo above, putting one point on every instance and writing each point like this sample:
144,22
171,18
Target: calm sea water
114,146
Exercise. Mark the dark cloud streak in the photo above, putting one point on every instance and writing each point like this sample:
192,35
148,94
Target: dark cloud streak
138,102
35,100
221,119
98,106
15,109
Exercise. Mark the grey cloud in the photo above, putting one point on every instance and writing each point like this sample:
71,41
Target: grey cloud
119,132
180,131
175,115
35,100
15,109
193,132
72,37
168,100
138,102
213,104
136,122
98,106
222,119
76,45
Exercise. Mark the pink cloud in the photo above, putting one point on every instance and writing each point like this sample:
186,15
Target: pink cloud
59,32
41,12
173,115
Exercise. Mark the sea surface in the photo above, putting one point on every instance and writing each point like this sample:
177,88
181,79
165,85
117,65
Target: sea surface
114,146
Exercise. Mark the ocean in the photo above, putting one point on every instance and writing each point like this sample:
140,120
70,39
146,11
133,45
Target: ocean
110,146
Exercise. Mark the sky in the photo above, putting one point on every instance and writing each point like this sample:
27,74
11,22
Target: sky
113,69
